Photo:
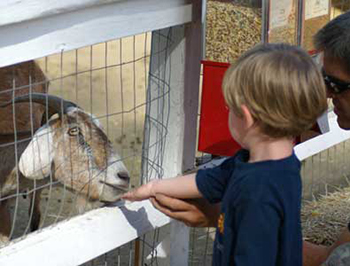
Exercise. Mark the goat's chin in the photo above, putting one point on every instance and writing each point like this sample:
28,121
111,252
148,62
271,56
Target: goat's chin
111,192
4,240
110,195
84,204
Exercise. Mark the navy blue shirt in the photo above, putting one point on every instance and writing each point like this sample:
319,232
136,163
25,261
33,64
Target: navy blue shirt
259,222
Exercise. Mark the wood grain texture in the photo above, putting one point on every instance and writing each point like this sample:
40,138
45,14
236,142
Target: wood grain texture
64,31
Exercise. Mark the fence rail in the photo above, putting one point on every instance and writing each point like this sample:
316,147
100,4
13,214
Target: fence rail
102,230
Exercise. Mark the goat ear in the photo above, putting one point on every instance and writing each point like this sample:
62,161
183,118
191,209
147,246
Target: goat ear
35,161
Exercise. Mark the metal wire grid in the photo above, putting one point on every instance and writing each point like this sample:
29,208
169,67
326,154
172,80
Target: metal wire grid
335,157
98,78
156,122
156,127
326,172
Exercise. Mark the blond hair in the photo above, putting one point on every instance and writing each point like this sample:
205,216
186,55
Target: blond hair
281,86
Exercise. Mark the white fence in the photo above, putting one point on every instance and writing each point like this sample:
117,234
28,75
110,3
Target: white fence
34,29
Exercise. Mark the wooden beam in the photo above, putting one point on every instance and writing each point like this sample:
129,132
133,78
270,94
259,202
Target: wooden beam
85,237
172,124
15,11
56,31
322,142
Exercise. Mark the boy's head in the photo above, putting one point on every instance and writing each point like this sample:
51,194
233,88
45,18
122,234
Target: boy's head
280,85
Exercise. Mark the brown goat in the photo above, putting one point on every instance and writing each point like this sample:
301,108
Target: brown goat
71,148
25,78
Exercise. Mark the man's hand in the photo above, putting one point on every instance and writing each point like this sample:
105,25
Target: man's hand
194,213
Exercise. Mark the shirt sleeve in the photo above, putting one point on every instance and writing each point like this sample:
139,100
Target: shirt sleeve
255,227
211,182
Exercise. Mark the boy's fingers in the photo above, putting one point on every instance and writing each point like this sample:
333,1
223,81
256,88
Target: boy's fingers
128,196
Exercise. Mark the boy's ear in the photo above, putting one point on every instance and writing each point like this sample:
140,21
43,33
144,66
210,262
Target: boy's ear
247,116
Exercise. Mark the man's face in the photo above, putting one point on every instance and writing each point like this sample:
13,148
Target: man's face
341,101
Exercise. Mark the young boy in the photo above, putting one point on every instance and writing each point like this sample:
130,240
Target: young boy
274,92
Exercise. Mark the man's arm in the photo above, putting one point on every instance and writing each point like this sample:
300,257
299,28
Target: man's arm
343,238
194,212
315,255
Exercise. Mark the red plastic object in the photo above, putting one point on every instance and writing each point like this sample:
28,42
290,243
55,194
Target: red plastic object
214,134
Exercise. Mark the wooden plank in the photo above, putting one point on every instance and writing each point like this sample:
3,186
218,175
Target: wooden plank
165,127
323,142
102,230
15,11
315,145
70,30
172,123
85,237
179,234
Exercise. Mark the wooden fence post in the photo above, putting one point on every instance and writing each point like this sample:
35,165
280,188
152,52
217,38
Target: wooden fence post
171,123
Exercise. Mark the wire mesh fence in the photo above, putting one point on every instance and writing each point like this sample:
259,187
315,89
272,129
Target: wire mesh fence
111,82
108,81
98,128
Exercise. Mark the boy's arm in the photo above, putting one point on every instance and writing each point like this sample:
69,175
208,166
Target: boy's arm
183,187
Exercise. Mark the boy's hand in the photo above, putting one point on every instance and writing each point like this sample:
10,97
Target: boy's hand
141,193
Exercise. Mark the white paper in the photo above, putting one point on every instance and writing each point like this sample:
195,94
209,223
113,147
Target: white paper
316,8
280,10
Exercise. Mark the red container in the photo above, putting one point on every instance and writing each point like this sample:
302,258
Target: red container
214,134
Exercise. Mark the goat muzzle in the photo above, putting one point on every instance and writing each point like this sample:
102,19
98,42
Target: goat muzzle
123,188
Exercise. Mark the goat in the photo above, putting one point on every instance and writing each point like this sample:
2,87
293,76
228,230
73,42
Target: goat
16,80
74,149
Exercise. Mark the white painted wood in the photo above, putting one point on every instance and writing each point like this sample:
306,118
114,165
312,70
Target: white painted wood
34,29
164,126
180,68
323,142
313,146
70,30
101,230
85,237
323,123
14,11
179,234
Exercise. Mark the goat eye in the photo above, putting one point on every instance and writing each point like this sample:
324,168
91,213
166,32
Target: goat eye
73,131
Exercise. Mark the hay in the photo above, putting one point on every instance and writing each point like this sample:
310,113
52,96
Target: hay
323,219
232,29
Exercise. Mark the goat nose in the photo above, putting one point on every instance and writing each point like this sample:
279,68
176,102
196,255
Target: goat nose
124,176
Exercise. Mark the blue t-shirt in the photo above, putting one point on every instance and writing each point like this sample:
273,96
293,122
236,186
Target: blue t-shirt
259,224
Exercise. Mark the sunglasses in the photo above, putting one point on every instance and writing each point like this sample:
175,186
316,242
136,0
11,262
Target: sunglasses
335,85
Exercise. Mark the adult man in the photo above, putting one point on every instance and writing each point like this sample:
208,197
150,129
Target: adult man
333,40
